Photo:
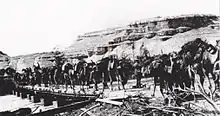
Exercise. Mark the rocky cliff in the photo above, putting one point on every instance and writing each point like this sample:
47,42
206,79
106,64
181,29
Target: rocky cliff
160,34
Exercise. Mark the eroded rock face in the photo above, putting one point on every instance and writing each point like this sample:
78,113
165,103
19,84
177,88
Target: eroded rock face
45,59
158,35
161,28
4,60
23,61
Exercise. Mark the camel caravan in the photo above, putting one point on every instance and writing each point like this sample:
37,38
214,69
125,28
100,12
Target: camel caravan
169,71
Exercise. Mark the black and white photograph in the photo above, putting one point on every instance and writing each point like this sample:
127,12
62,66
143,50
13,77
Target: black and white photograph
109,57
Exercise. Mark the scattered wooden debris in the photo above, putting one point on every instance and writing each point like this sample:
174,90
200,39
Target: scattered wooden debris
132,115
88,110
117,98
110,102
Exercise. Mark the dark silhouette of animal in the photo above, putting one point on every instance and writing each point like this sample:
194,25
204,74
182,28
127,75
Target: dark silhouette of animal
203,58
2,72
81,71
113,73
69,76
95,75
37,75
158,70
51,71
103,68
45,76
124,71
182,74
10,72
58,77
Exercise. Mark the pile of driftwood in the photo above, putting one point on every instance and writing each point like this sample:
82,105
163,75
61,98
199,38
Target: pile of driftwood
156,106
180,104
136,105
186,102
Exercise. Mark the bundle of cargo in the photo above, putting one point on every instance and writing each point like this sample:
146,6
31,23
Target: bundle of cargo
135,36
150,34
215,26
182,29
164,38
166,32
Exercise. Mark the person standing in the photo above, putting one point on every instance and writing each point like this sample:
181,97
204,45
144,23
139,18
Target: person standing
112,68
137,73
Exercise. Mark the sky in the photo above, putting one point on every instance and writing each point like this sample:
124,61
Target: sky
30,26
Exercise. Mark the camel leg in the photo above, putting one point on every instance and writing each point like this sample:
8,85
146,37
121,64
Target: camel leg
119,82
111,81
123,86
111,85
216,80
119,85
96,87
162,86
202,80
66,79
83,89
161,91
103,88
155,84
170,85
65,85
193,88
124,81
168,89
66,88
82,86
72,85
104,82
57,83
95,84
74,91
192,83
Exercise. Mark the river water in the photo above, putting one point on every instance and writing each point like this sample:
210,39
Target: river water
12,103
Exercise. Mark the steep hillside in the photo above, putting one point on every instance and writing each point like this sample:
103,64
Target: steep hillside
156,46
24,61
158,35
90,41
